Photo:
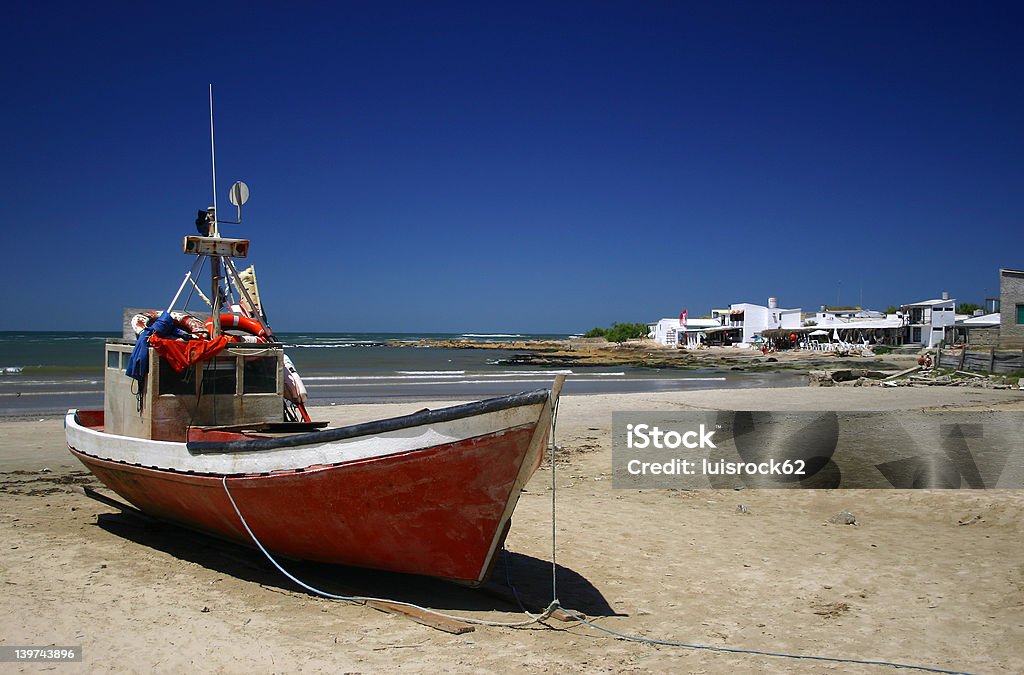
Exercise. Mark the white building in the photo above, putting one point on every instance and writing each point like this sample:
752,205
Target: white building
926,321
826,318
671,333
751,320
859,326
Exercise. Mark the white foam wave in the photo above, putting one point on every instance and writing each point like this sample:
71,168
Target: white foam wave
431,376
408,382
77,392
492,335
26,383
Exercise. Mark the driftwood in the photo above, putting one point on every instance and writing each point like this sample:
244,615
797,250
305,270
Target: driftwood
903,373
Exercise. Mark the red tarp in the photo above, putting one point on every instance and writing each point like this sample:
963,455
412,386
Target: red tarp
181,355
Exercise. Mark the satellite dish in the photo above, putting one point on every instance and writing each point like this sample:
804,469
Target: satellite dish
239,193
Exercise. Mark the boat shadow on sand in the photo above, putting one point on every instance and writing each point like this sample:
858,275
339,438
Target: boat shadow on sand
529,577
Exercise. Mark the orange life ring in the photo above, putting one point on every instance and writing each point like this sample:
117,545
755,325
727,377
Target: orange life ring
238,322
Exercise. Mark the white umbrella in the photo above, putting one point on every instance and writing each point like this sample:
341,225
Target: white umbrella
835,335
815,333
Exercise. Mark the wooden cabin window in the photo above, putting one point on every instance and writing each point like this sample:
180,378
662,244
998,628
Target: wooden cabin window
170,381
112,360
259,375
219,376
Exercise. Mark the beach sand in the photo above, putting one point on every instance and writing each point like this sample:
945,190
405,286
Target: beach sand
908,583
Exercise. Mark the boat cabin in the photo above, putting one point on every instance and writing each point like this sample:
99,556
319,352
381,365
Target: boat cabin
241,385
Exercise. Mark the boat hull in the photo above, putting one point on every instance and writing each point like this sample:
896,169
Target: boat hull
441,510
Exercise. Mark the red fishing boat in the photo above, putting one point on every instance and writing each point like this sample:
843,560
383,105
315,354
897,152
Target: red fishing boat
204,425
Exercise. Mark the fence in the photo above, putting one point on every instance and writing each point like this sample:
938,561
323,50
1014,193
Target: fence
991,361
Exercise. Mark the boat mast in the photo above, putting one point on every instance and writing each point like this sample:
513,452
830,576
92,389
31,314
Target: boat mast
219,250
215,261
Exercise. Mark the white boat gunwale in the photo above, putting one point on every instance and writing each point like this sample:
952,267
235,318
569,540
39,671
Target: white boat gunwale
375,427
330,447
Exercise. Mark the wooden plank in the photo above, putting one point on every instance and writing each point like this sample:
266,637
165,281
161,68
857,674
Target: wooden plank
908,371
116,503
423,617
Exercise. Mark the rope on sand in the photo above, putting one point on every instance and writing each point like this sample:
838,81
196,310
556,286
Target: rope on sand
555,605
360,598
534,618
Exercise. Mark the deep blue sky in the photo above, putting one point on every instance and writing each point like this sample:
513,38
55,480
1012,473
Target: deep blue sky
542,167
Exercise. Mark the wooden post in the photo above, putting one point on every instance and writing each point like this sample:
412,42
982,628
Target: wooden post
963,357
992,360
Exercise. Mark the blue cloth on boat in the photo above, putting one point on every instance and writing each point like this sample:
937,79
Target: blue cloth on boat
138,362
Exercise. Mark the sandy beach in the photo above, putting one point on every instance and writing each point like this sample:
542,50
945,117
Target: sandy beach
927,578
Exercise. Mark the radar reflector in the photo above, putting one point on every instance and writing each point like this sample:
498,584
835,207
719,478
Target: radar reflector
239,193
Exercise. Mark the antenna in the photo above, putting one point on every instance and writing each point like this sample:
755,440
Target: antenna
213,161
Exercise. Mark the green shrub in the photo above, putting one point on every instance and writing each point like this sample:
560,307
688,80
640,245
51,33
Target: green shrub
620,332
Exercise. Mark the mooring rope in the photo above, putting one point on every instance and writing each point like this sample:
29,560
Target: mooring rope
362,598
554,564
736,650
534,618
554,605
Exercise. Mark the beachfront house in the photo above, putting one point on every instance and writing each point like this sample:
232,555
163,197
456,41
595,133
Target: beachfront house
925,322
858,326
671,332
1011,304
743,320
842,316
980,331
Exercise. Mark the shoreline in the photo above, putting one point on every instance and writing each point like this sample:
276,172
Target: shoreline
649,354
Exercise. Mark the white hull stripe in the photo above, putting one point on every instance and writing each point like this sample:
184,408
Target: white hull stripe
175,456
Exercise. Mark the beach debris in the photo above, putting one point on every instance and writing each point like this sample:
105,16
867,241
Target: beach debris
843,518
830,610
45,469
970,521
903,373
850,376
742,508
918,377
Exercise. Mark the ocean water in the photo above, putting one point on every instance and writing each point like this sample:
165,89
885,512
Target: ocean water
48,373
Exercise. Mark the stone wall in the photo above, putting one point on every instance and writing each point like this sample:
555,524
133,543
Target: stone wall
1011,294
983,337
